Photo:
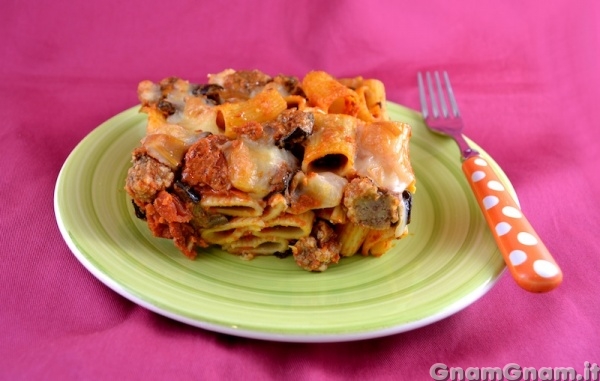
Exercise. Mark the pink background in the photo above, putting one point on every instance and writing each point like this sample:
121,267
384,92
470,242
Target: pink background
527,75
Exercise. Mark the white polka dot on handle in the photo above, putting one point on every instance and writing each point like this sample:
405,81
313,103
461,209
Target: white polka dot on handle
490,201
495,185
517,257
503,228
544,268
480,162
527,239
512,212
477,175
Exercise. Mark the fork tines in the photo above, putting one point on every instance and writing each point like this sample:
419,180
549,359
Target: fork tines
436,97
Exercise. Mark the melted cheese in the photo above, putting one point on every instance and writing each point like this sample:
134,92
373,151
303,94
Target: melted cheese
383,155
257,168
219,78
316,191
198,115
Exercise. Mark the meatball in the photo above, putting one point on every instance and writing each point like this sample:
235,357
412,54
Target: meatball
147,177
370,206
205,164
316,252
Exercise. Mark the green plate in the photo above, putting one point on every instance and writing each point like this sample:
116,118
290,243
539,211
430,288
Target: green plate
448,261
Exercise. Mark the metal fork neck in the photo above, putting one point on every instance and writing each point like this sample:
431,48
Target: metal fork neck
469,152
465,150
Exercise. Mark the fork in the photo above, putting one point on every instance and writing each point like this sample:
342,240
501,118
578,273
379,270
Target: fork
525,255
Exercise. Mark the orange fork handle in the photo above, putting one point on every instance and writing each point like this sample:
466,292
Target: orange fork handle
526,256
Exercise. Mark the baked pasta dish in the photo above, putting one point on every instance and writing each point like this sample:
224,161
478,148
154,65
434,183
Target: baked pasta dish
311,168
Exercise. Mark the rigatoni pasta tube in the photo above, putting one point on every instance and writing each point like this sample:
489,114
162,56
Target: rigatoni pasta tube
371,98
325,92
288,226
251,246
232,203
332,146
377,242
265,106
351,237
232,230
372,105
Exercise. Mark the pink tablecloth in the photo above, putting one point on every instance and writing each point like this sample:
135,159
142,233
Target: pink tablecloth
527,74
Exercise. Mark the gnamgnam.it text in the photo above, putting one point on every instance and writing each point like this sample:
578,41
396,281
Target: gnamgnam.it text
514,372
